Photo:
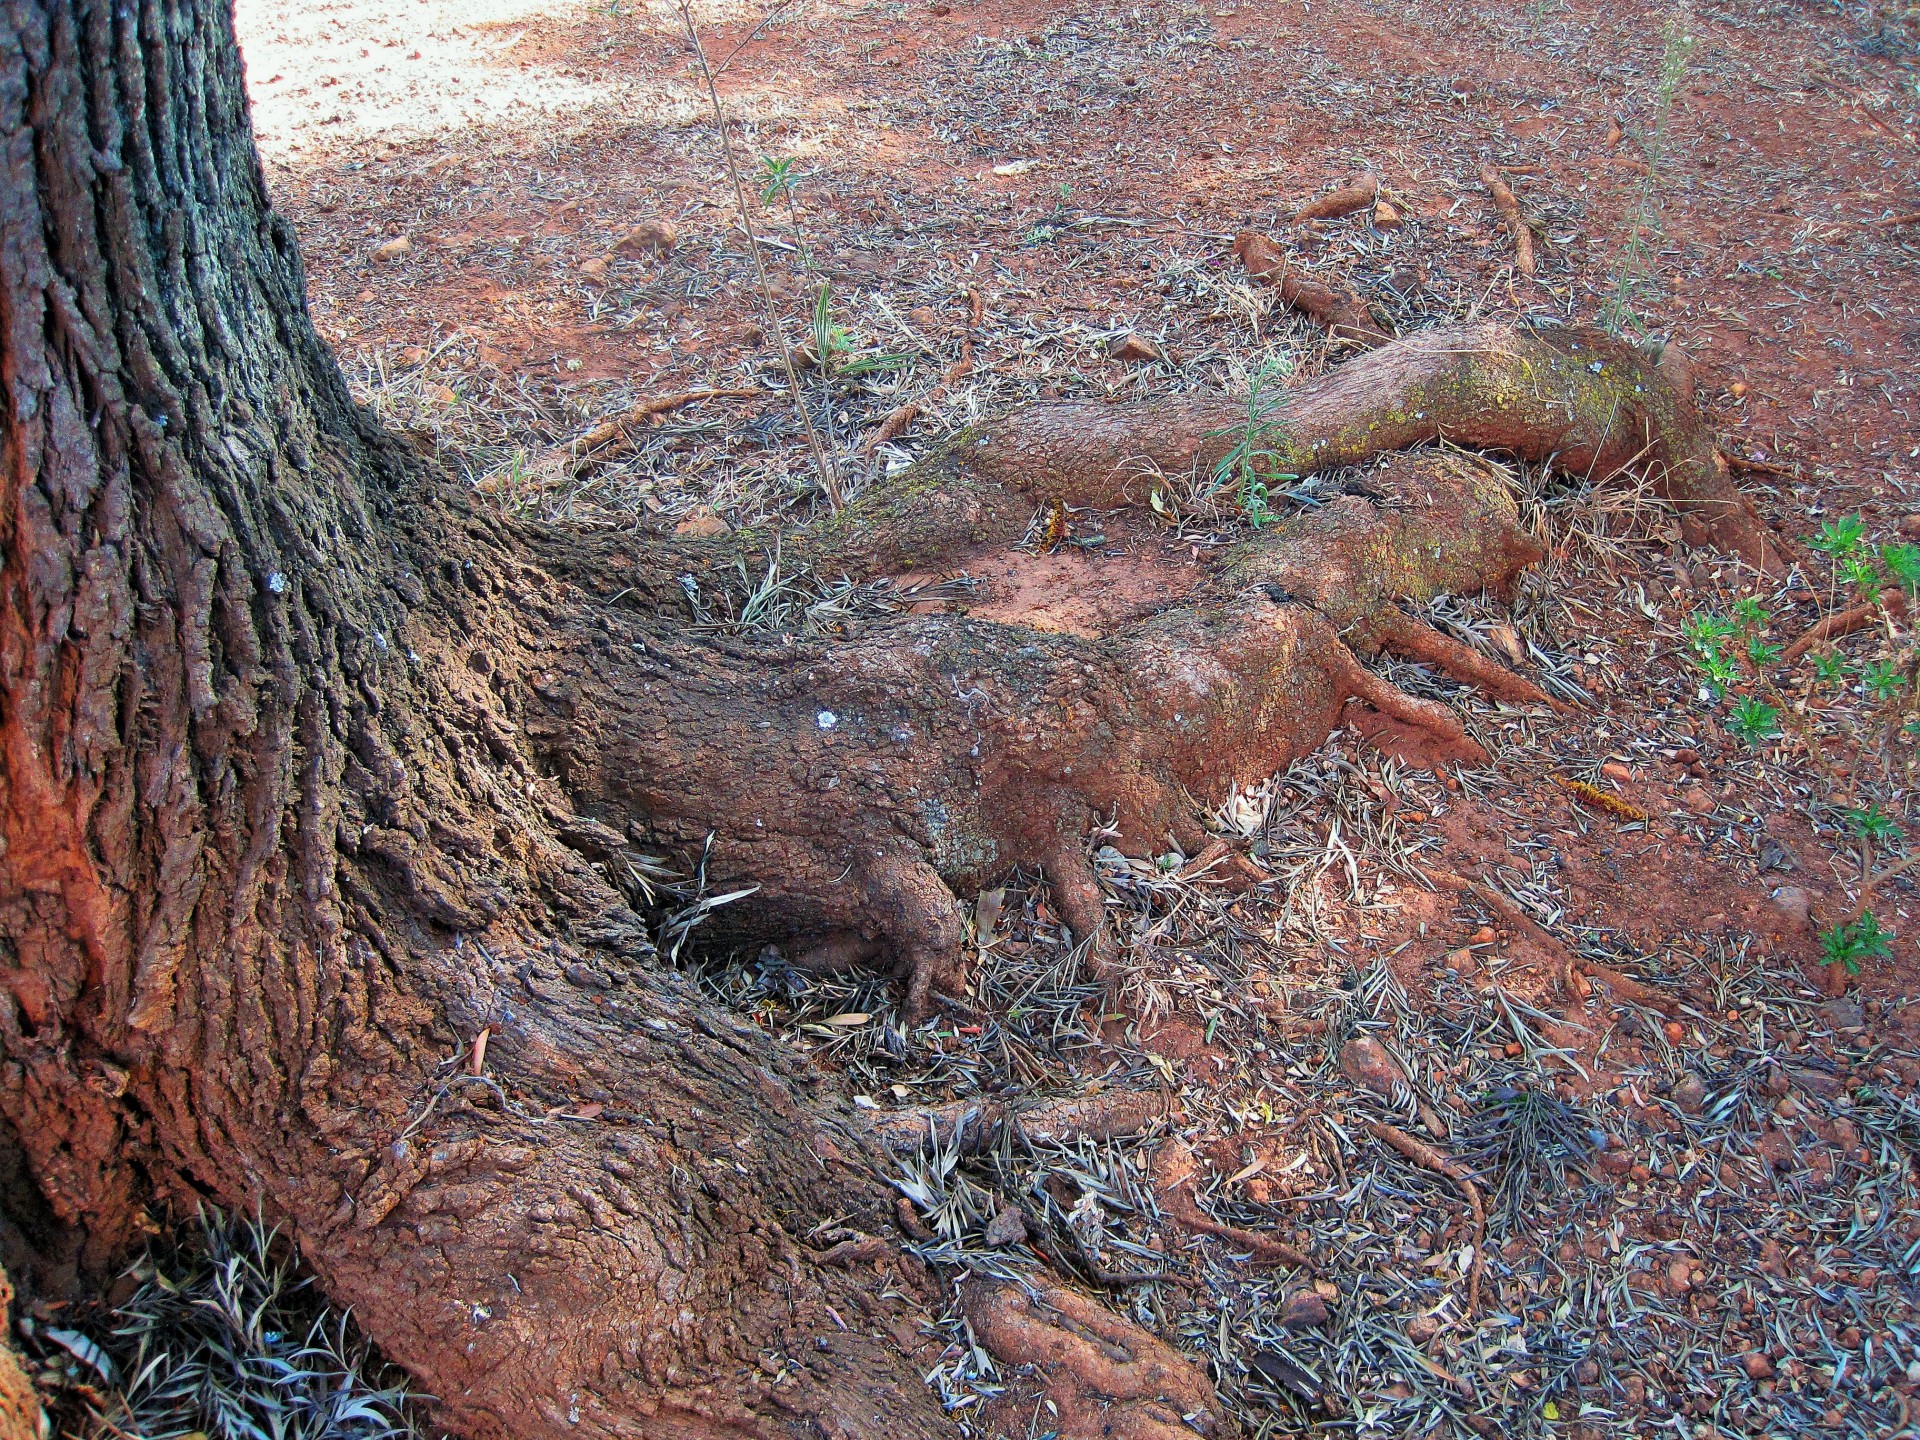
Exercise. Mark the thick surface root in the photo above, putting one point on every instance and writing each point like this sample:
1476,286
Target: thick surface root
19,1406
973,746
1109,1379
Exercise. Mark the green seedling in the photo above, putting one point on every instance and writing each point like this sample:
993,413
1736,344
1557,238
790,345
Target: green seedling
1851,944
1754,722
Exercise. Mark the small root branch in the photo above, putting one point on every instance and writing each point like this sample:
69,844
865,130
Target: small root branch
1173,1175
1357,194
1847,622
1107,1378
609,431
1447,731
898,419
1509,208
976,1126
1428,1158
1342,313
1634,992
1418,641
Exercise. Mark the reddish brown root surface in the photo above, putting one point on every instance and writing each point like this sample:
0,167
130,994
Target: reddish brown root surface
1357,194
1344,315
1509,207
1108,1379
19,1406
1850,621
1174,1175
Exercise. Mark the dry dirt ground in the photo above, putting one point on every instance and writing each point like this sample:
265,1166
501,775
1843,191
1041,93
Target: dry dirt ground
1695,1159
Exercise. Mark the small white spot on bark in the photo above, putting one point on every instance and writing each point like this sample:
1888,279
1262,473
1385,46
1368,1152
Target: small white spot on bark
826,720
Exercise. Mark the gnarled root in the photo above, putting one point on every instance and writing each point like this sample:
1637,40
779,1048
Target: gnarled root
1173,1176
974,1126
19,1406
1586,401
1852,620
1109,1379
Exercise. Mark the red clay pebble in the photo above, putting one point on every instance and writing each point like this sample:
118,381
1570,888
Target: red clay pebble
1135,347
1910,526
1365,1061
1304,1311
1757,1366
648,237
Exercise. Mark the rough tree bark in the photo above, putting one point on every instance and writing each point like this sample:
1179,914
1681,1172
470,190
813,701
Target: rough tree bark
311,772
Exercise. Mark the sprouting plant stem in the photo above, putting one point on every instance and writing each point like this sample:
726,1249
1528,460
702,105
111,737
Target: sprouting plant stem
829,477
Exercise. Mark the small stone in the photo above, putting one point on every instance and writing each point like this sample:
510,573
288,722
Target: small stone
1696,799
1485,935
1587,1371
1691,1093
1794,906
1846,1134
1679,1277
1366,1062
1326,1289
1614,770
1640,1175
1773,1259
1676,1032
649,237
1845,1015
1007,1227
1135,347
594,269
1910,526
1423,1328
1385,216
1462,961
1787,1109
393,249
703,524
1305,1311
1757,1366
1777,1149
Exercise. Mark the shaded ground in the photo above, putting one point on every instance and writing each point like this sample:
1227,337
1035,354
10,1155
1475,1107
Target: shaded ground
1700,1208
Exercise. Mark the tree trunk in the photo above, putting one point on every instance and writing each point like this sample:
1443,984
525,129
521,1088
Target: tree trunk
276,846
316,782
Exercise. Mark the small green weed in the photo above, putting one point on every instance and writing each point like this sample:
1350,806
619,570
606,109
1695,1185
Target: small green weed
1851,944
1754,721
1253,463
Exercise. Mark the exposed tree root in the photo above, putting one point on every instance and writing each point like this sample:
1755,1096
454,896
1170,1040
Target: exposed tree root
1053,730
977,1126
1636,992
1409,637
1173,1176
1342,313
1356,194
1426,1156
1509,208
1853,619
604,434
1109,1379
